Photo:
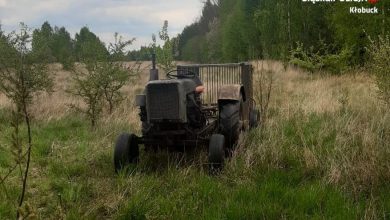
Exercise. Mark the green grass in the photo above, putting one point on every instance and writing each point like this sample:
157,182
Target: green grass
72,177
269,195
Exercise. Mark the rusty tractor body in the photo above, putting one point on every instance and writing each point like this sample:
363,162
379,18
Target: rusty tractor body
196,106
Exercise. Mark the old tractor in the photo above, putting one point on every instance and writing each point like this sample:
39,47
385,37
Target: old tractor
195,106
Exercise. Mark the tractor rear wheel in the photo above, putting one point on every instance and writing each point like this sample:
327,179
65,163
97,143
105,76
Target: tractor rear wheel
216,152
230,113
126,151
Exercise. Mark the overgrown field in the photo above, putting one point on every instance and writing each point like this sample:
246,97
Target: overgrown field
324,153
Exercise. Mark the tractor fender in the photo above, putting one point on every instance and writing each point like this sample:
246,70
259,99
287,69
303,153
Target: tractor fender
231,92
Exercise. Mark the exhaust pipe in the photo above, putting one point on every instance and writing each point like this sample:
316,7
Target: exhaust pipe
154,70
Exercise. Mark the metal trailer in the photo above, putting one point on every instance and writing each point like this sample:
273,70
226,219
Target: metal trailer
217,76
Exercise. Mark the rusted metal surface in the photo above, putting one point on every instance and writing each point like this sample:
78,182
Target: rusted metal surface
247,81
231,92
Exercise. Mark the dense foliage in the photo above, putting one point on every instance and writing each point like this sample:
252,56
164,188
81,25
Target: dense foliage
380,61
236,30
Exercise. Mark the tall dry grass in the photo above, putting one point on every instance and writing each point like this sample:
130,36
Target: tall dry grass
335,127
332,128
346,105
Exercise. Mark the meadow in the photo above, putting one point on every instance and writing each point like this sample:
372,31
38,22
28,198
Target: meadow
323,153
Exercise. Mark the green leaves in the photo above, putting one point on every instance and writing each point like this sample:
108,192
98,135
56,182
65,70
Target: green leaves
319,59
194,44
97,84
88,47
86,86
165,53
99,80
113,77
117,49
268,29
380,60
20,76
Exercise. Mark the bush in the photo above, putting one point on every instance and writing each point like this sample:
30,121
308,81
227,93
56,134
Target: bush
113,77
321,59
87,86
304,59
380,60
336,63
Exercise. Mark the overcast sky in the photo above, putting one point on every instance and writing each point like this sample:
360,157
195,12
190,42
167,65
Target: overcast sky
131,18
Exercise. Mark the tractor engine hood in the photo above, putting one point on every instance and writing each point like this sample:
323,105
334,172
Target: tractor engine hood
166,100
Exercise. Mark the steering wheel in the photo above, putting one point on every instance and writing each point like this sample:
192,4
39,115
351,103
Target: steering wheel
189,74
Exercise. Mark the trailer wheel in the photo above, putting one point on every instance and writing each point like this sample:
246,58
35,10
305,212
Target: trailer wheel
126,151
216,152
254,117
229,121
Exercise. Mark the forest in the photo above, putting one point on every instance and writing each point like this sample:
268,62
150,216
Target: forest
236,30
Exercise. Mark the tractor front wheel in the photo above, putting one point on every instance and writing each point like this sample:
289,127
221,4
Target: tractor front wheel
126,151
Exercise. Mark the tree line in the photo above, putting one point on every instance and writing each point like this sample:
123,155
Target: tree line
314,36
55,44
237,30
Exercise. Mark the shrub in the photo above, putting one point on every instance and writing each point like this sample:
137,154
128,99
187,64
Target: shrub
112,77
321,59
380,60
87,86
102,79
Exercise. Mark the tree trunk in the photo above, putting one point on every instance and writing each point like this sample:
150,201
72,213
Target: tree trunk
111,106
289,24
24,187
383,18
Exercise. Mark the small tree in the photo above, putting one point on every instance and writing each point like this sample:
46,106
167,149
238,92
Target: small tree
165,53
380,60
117,49
102,80
23,73
87,86
113,77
